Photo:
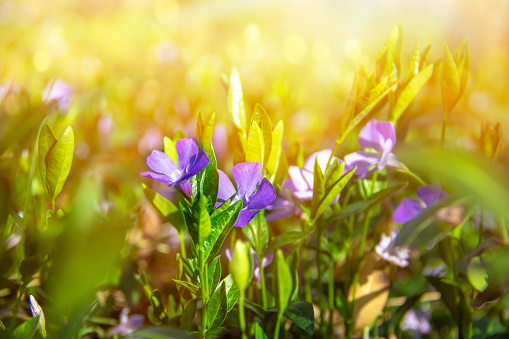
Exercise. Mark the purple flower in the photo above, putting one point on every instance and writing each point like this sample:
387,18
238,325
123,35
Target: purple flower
302,178
410,208
248,177
265,262
416,321
284,206
128,324
396,255
191,161
377,135
59,92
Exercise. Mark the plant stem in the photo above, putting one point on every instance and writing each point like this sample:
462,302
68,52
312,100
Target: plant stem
278,325
444,128
182,244
203,282
412,174
242,317
17,218
331,298
481,227
262,287
15,309
319,277
502,230
307,280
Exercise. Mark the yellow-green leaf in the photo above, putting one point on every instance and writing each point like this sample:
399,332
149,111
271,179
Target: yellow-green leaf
408,94
282,282
208,130
450,81
44,144
275,152
236,102
170,150
59,161
462,59
261,116
255,149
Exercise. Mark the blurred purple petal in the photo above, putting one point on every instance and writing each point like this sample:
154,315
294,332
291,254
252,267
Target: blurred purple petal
263,197
321,156
267,259
416,321
184,187
228,254
362,160
247,176
159,162
245,216
58,92
430,194
226,189
302,181
396,255
407,210
375,134
186,152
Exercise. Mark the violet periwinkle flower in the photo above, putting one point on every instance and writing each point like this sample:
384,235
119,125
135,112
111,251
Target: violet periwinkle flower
377,135
396,255
256,263
410,208
254,192
128,324
416,321
191,161
284,206
58,92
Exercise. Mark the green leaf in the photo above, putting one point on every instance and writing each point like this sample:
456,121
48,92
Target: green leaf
221,225
255,148
408,94
27,329
166,208
159,332
462,60
302,315
286,238
214,273
209,183
257,232
202,217
255,308
217,333
170,150
236,102
450,80
217,308
272,163
232,292
46,141
282,282
187,319
477,275
260,116
158,310
318,189
59,161
187,285
259,334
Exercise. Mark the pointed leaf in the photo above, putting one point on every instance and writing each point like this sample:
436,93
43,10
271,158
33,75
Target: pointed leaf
166,208
450,81
214,273
255,148
282,282
260,116
302,315
259,334
284,239
217,308
59,161
232,292
46,141
27,329
275,151
236,102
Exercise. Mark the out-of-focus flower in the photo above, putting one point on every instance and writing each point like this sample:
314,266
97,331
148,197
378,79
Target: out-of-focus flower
377,135
256,193
220,141
302,178
284,205
58,92
191,161
491,140
256,263
128,324
37,311
396,255
9,89
410,208
150,140
416,321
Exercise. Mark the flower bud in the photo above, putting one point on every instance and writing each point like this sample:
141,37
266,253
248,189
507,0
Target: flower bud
241,265
491,140
37,311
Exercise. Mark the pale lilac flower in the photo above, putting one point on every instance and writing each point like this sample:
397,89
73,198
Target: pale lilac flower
128,324
284,206
37,311
256,264
9,89
254,192
379,136
58,92
396,255
416,321
302,178
191,161
410,208
152,139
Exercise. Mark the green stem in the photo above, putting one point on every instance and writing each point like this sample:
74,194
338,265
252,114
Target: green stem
242,317
204,286
412,174
331,298
481,227
17,218
278,325
307,279
15,309
182,243
319,277
444,129
262,287
502,230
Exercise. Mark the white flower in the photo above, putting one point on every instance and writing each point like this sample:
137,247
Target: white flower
396,255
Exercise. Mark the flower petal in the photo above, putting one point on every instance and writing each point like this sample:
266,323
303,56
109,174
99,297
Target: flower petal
407,210
187,149
302,179
430,194
245,216
267,259
159,162
263,197
247,176
321,156
376,133
362,160
200,163
156,176
225,189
